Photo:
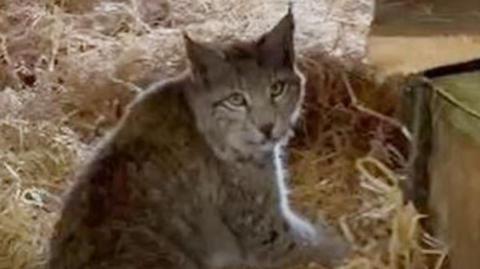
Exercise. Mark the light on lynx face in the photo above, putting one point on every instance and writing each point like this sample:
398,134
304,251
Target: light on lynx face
254,116
260,129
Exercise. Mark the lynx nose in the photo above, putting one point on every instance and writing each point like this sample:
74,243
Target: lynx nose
266,130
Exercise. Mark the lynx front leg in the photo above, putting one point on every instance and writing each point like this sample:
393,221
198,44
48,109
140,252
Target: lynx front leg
318,243
279,240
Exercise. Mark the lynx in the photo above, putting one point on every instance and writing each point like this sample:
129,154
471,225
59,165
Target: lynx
192,176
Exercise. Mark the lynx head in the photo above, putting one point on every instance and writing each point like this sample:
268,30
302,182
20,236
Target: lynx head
247,96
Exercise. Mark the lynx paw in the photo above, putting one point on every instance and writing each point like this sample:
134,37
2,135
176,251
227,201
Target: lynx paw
321,244
330,249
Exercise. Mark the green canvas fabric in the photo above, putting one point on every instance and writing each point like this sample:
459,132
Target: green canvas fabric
458,102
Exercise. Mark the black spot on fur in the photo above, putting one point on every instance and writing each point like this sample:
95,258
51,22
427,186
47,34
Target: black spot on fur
273,235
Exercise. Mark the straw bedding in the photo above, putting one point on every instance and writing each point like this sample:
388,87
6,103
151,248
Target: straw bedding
68,68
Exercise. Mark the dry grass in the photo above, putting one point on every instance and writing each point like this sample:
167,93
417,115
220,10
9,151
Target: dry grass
67,69
349,162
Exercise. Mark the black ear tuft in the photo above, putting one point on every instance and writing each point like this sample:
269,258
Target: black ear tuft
188,41
199,53
204,59
276,47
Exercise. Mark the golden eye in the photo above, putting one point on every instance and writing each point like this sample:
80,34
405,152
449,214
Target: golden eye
236,99
278,89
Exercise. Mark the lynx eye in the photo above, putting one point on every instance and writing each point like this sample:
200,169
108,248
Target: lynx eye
236,100
278,89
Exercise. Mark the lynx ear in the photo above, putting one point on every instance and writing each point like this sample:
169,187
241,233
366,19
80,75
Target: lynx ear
204,60
276,48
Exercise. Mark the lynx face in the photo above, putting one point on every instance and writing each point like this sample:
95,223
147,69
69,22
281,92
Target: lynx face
247,96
